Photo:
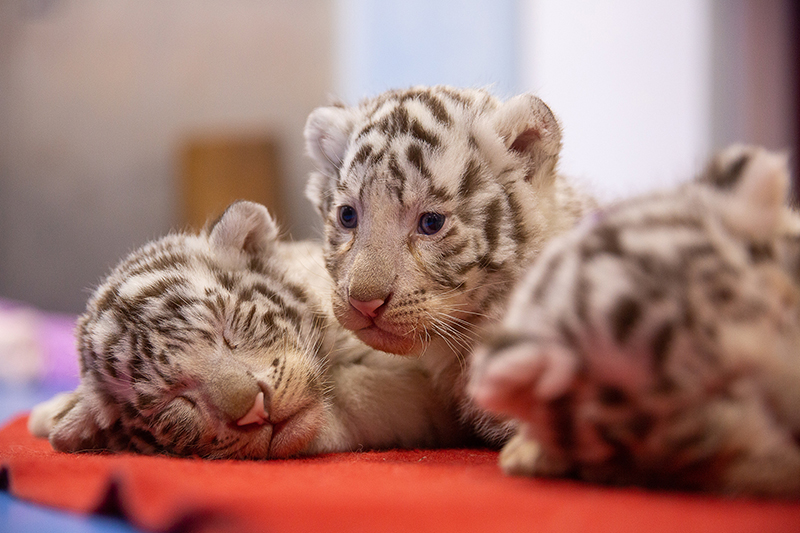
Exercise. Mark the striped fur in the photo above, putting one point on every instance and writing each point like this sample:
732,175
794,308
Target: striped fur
485,168
659,342
220,345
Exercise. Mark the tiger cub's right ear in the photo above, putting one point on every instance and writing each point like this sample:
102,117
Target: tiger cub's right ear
245,227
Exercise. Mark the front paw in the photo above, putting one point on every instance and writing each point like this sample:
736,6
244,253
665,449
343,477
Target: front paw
46,415
525,456
513,378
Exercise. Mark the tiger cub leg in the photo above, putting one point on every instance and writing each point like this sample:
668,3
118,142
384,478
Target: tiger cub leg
526,380
760,456
524,455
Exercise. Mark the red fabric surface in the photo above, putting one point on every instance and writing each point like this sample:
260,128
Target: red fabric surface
418,490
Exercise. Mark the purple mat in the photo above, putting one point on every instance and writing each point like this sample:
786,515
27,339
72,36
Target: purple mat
46,337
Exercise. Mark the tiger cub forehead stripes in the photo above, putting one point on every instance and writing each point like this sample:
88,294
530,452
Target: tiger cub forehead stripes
657,342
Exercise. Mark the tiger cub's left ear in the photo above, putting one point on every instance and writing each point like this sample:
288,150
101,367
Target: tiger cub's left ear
246,227
528,127
755,183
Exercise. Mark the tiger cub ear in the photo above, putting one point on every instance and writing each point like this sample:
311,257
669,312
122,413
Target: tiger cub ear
246,227
528,127
327,133
755,183
68,422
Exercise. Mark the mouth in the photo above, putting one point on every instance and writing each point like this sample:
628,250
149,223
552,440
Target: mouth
385,341
368,330
293,435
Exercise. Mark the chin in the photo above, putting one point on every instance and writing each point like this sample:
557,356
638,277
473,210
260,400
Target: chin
373,335
295,436
384,341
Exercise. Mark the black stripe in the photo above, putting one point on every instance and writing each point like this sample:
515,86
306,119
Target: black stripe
612,396
730,175
470,179
546,278
107,298
423,135
416,157
436,108
396,122
362,155
491,229
562,411
399,176
662,342
226,279
163,261
624,317
519,233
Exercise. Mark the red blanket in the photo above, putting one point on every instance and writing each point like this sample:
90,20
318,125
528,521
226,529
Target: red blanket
420,491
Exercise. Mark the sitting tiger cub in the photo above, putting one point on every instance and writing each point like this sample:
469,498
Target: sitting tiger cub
222,345
658,343
434,199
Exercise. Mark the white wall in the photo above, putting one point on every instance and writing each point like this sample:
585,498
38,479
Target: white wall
95,98
631,83
646,90
393,44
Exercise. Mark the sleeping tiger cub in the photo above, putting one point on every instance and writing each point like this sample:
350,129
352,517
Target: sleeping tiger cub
658,343
221,345
433,201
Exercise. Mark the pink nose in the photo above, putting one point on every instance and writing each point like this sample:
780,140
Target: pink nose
367,308
257,414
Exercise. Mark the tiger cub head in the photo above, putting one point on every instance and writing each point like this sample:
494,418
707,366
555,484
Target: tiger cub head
432,199
196,345
657,342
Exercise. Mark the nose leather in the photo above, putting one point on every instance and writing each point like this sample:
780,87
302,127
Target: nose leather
257,413
367,308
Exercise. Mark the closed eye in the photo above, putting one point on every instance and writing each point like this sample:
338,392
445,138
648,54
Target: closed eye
232,345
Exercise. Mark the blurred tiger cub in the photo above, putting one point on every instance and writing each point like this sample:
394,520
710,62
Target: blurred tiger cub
433,200
222,345
659,342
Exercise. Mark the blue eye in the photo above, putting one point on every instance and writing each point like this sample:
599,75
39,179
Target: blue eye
430,223
348,217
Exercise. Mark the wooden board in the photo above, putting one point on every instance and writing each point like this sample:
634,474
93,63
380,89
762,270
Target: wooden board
218,170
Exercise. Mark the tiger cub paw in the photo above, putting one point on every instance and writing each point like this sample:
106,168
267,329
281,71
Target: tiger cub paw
47,414
524,456
514,377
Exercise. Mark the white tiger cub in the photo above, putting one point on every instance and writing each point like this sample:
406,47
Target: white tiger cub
433,200
222,345
659,342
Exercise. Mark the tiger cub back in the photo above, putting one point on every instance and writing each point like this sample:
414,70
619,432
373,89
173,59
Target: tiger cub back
221,345
433,200
659,342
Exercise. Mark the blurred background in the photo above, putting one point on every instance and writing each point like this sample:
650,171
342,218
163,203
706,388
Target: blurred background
121,120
